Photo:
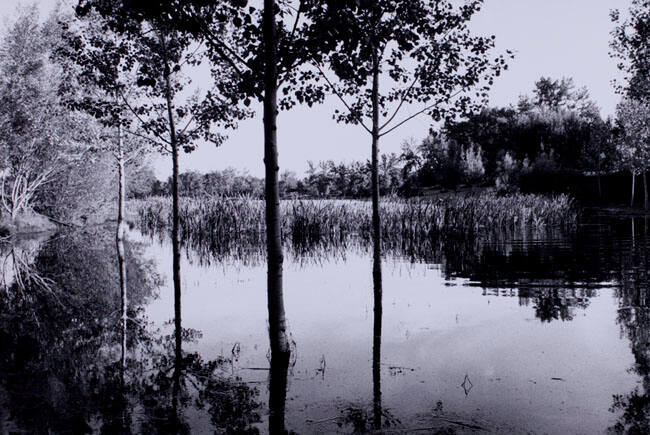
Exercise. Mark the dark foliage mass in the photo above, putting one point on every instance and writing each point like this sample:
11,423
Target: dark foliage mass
546,142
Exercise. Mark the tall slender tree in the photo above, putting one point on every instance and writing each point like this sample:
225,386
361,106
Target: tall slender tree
633,144
421,52
161,52
631,47
101,61
265,48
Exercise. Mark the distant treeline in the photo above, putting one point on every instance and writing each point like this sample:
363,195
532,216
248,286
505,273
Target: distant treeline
554,140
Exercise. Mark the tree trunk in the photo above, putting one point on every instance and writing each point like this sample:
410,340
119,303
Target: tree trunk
176,241
176,376
600,188
119,239
645,191
374,170
277,321
633,187
376,240
280,350
176,250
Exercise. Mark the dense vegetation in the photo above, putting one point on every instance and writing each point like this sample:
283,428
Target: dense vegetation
544,144
228,224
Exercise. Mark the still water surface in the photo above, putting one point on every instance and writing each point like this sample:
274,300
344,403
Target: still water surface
534,333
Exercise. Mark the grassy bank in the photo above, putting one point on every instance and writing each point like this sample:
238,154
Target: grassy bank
225,221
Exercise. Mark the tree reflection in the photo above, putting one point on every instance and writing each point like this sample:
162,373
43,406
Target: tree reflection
278,392
633,409
378,418
63,367
376,337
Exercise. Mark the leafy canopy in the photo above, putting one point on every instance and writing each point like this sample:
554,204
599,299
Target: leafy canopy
424,50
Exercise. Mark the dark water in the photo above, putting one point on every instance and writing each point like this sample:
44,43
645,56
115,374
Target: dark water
535,333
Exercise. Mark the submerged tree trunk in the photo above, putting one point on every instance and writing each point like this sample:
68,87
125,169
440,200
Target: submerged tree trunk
277,322
278,392
176,376
119,239
376,340
633,187
645,191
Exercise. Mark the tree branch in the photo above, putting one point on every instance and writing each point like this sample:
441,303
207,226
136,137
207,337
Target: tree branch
407,119
126,102
336,92
400,103
221,49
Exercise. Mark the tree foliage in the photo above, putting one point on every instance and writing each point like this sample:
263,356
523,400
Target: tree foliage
633,141
424,50
41,140
631,48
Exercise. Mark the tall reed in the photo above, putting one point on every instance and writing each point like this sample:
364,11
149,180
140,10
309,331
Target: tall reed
226,224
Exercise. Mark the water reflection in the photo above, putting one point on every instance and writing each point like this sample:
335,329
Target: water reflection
278,392
59,331
531,319
555,271
633,408
64,367
376,338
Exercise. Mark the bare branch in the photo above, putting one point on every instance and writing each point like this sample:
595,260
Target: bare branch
404,121
336,92
401,103
126,102
189,122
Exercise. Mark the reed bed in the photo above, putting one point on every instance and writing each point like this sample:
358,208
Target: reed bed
221,225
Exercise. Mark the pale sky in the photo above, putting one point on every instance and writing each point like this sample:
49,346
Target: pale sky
556,38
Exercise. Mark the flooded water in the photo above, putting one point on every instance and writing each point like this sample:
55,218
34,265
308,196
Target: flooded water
535,333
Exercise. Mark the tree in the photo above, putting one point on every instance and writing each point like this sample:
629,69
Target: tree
423,49
103,62
630,45
142,182
634,141
265,49
40,138
159,52
558,95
